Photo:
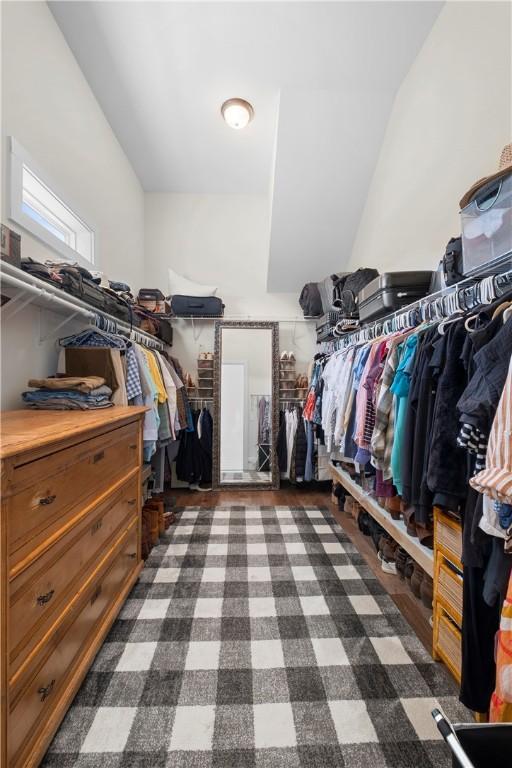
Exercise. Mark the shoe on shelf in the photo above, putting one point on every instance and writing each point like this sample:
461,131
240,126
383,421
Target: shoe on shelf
291,357
388,566
400,560
284,356
416,580
427,591
408,569
348,505
389,550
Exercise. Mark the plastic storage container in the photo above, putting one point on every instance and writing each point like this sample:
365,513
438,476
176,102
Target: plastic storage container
487,227
392,291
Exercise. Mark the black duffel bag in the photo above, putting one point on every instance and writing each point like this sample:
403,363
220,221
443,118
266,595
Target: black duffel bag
197,306
310,300
347,288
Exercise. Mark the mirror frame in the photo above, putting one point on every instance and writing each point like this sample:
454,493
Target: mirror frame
273,483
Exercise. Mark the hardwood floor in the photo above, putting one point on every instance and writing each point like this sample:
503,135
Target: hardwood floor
411,608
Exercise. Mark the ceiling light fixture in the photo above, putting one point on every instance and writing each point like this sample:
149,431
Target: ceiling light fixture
237,113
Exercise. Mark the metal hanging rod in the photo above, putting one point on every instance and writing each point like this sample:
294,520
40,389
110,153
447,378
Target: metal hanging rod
470,288
250,318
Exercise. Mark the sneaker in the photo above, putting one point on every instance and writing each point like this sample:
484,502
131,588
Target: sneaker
284,356
388,566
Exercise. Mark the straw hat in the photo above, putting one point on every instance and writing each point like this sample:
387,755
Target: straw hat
504,167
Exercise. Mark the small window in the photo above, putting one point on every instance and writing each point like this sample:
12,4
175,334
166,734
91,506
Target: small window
37,208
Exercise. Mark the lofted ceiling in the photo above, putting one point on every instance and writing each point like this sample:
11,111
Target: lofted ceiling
321,77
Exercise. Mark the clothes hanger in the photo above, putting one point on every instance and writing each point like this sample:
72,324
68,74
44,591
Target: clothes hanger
453,311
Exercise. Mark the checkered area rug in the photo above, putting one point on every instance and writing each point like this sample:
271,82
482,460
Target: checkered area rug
258,637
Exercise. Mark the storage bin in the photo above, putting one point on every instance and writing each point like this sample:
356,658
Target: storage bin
486,225
486,744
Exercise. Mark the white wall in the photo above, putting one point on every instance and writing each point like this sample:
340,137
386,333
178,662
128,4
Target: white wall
220,240
450,120
49,108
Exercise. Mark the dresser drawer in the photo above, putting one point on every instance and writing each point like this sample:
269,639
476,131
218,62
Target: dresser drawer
49,493
43,591
449,589
448,642
31,707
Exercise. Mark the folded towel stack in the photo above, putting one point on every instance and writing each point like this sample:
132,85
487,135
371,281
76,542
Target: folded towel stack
68,393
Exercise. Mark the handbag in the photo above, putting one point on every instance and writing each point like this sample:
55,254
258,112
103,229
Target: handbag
194,306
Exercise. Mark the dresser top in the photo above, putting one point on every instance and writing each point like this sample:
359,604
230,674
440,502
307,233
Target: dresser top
27,430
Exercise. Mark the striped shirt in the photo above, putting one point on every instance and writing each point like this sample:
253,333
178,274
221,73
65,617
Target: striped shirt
496,479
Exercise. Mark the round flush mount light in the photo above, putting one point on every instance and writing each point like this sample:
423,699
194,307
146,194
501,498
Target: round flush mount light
237,113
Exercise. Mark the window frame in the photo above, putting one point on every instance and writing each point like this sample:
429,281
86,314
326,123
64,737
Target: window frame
19,157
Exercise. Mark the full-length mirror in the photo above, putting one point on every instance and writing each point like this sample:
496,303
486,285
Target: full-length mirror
246,407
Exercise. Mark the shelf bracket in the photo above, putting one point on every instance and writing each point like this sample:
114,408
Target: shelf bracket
60,325
16,304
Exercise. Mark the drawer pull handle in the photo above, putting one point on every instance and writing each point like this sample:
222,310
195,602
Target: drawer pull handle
96,526
132,446
133,555
131,502
44,692
96,594
98,457
47,500
43,599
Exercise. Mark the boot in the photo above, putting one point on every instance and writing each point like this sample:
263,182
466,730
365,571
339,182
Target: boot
393,506
409,566
427,591
416,580
401,559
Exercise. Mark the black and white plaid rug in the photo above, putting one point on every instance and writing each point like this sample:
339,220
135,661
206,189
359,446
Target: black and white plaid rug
258,637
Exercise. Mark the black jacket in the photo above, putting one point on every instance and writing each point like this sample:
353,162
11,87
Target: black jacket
447,472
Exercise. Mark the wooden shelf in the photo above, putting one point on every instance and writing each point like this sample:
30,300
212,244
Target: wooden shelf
396,528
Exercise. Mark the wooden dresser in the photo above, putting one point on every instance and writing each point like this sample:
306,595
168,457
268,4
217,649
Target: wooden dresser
70,553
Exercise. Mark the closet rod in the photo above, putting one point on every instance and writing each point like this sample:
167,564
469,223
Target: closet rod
467,284
50,298
251,318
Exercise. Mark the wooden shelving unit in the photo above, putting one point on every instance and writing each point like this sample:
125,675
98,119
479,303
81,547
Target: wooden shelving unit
447,637
396,528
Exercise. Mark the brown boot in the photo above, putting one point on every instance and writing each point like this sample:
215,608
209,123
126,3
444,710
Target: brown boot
427,591
416,580
393,506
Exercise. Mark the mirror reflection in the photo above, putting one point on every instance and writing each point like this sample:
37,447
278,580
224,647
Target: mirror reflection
246,400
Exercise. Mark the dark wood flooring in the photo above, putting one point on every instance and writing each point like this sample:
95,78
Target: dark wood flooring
411,608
